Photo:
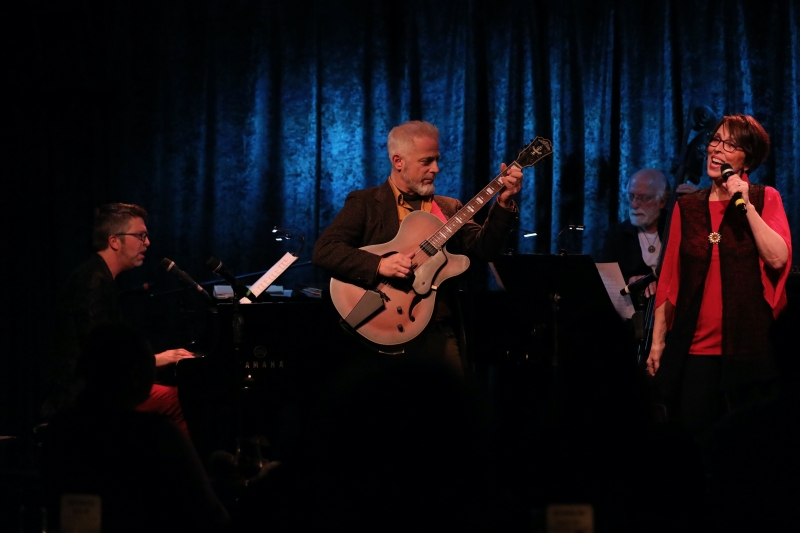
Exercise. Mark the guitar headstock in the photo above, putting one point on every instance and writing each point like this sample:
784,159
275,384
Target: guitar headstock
538,149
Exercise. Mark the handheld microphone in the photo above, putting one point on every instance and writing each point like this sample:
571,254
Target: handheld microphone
639,284
170,266
240,290
727,171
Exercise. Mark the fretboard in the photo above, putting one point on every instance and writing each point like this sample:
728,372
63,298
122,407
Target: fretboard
437,240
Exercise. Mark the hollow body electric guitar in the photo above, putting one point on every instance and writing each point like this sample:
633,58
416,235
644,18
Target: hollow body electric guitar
396,310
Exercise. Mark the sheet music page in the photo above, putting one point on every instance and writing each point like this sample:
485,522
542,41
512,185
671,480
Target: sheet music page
271,275
264,283
614,282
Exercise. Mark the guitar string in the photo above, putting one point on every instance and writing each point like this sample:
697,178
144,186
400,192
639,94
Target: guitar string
414,265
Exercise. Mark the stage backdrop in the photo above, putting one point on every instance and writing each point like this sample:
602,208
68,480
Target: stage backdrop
226,118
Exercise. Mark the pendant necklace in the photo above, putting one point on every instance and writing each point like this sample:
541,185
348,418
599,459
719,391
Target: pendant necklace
652,247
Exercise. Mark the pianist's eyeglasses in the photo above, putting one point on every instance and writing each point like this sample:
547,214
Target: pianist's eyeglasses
142,235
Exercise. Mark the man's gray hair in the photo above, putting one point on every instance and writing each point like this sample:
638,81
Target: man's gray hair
656,179
401,138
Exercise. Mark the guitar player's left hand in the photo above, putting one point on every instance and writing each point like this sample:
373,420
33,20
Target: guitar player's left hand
649,291
513,183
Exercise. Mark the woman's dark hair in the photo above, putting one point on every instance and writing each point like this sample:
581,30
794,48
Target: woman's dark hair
748,134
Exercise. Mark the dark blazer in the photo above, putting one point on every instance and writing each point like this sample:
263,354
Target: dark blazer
369,216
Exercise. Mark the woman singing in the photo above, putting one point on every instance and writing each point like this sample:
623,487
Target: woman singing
722,283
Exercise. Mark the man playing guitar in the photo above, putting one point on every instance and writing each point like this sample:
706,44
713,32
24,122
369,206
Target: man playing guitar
373,216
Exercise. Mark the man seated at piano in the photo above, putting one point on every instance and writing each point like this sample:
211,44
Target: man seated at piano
636,243
372,216
90,298
141,469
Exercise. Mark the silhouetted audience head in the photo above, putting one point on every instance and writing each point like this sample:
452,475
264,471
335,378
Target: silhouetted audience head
140,465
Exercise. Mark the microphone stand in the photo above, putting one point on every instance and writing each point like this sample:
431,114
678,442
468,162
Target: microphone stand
570,227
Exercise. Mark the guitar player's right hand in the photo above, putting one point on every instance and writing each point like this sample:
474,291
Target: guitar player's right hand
396,266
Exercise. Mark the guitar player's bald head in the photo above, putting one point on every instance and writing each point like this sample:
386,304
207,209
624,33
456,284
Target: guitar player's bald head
401,138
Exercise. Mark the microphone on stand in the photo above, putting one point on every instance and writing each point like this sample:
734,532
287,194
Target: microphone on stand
638,285
727,171
240,290
170,266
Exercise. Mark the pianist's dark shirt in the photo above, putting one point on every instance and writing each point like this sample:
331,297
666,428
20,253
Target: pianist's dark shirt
89,298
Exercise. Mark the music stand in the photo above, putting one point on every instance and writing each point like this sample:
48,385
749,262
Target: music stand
566,293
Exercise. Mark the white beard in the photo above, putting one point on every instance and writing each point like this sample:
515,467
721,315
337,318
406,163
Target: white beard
418,188
644,220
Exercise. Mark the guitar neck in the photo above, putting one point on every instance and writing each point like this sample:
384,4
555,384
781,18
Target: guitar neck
451,227
538,149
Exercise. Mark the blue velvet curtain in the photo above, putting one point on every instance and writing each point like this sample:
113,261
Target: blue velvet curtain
226,118
229,118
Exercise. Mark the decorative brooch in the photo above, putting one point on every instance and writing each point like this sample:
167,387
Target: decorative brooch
714,237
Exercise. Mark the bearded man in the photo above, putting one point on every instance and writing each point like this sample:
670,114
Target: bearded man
373,216
636,243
